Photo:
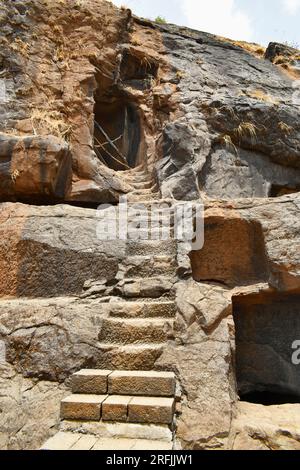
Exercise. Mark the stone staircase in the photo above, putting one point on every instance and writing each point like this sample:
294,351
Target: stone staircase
141,308
143,187
126,403
114,410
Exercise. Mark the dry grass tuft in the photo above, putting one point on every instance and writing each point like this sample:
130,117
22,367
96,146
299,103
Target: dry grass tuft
244,129
284,127
261,96
255,49
226,140
50,121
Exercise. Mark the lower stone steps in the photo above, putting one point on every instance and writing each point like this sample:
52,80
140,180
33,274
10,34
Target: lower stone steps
117,410
144,383
132,409
119,430
77,441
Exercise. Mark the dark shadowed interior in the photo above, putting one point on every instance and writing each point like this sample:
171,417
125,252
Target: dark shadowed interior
267,325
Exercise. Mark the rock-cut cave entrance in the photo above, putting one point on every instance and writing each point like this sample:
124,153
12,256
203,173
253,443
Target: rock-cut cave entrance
117,134
267,326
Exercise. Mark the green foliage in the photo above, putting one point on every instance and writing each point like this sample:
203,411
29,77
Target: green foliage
160,20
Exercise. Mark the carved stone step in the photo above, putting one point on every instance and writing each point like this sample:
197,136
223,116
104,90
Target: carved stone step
143,197
129,357
145,287
142,383
145,184
119,430
147,266
151,410
144,330
136,383
142,309
77,441
151,247
156,410
90,381
82,407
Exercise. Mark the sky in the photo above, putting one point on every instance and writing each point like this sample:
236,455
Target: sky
260,21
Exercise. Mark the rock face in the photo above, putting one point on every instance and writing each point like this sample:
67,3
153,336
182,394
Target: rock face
99,104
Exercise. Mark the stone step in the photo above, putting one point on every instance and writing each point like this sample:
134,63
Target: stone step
131,444
148,266
156,410
129,357
77,441
142,309
145,184
136,383
139,177
119,430
142,383
143,191
82,407
144,234
90,381
141,330
151,247
143,197
153,287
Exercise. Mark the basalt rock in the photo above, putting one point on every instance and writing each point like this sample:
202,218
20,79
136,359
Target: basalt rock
98,104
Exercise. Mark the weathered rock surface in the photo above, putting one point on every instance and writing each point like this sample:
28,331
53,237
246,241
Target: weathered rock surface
29,412
49,251
259,427
197,115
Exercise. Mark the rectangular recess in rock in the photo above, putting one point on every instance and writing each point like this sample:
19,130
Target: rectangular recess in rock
82,407
89,381
142,383
155,410
115,408
267,325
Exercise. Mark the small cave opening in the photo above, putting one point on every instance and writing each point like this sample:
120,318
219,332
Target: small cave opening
267,326
118,139
119,130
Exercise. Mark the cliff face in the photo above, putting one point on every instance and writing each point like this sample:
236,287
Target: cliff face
97,104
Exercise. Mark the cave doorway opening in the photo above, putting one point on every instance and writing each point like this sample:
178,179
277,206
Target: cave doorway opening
117,133
267,325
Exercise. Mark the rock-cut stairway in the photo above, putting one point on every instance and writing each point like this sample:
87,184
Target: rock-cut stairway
143,186
117,410
126,403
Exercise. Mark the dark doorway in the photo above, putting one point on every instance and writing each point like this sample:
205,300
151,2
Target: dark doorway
117,134
267,326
